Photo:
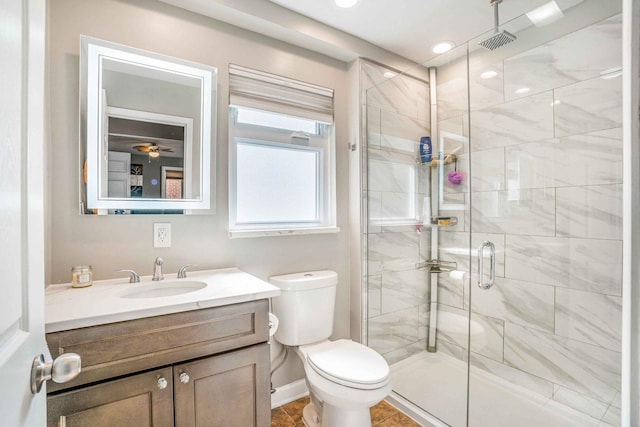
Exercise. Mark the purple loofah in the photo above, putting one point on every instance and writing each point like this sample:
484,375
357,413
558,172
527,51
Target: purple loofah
455,177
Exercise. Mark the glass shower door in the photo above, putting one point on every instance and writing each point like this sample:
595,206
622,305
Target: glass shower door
545,299
493,270
417,248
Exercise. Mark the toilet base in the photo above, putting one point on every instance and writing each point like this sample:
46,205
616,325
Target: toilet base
310,416
340,417
335,417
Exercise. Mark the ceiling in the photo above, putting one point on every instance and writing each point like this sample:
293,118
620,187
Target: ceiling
412,27
138,136
398,34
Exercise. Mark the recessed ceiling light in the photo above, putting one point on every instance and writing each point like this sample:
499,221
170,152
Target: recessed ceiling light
443,47
545,14
346,3
522,90
488,74
389,74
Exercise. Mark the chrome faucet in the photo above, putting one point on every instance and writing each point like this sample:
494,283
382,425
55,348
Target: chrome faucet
133,276
182,271
157,270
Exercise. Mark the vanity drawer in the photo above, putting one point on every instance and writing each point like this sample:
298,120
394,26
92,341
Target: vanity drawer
116,349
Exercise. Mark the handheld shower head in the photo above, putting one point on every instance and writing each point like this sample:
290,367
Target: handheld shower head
498,38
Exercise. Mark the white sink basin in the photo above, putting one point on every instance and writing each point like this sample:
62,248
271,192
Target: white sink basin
164,289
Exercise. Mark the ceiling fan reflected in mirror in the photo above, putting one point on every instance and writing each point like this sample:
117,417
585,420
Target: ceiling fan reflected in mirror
152,149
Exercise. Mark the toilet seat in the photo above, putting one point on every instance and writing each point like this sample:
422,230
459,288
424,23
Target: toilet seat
348,363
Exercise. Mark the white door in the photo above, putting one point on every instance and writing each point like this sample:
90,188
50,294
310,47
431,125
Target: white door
119,173
22,39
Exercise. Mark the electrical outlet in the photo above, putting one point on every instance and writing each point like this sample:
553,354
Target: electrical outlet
161,235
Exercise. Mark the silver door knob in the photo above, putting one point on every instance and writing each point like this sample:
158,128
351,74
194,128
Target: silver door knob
162,383
63,369
184,378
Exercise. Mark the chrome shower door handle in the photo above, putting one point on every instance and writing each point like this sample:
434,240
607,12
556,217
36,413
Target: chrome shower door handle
492,266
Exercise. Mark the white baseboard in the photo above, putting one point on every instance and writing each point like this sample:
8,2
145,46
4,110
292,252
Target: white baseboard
288,393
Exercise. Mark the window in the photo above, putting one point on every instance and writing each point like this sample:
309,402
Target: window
289,196
281,156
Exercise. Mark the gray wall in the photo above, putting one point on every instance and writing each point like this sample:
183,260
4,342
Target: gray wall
112,242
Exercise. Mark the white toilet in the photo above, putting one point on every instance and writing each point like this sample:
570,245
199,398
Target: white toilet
344,378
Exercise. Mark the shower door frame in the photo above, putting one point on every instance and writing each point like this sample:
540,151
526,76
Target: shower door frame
630,411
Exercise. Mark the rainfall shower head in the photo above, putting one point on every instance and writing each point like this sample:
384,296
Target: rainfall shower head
498,38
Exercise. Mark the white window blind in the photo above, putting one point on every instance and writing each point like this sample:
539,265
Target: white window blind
264,91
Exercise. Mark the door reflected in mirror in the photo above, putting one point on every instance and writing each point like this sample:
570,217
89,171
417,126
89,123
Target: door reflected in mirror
147,131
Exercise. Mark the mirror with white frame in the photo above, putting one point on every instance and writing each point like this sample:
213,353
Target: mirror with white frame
147,131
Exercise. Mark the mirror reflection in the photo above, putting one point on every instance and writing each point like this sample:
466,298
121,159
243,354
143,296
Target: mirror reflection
148,131
147,159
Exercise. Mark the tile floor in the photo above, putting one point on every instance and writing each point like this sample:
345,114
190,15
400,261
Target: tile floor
382,415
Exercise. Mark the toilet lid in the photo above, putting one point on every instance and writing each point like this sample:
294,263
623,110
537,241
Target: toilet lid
349,363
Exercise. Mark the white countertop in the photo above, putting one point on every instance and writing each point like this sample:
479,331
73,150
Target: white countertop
71,308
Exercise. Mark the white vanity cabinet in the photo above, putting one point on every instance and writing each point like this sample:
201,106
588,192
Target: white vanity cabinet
207,367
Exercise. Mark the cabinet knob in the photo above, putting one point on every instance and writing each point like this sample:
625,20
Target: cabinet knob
162,383
184,378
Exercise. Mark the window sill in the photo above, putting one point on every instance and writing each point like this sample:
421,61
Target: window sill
238,234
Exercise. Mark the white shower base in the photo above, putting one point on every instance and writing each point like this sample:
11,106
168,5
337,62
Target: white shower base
437,383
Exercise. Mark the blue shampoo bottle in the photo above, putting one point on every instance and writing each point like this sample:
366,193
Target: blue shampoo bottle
425,149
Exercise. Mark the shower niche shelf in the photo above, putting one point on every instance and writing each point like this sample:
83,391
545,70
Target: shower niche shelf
441,221
437,266
447,160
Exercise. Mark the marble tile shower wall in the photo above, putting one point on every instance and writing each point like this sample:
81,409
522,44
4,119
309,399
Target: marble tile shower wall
546,188
397,115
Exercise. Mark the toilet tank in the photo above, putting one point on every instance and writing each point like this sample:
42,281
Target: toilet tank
305,306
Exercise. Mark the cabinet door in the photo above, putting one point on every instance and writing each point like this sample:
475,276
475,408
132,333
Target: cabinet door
138,400
230,389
